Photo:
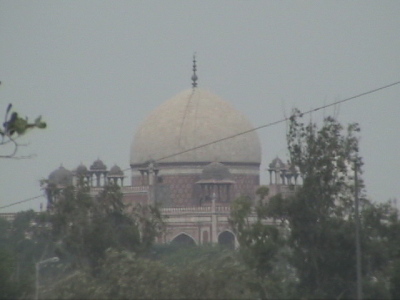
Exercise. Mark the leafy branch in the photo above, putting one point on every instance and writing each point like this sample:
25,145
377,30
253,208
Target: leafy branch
14,127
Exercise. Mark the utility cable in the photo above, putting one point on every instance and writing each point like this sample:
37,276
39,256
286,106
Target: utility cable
247,131
280,121
22,201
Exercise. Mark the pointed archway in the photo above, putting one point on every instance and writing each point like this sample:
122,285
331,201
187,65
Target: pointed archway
183,240
227,239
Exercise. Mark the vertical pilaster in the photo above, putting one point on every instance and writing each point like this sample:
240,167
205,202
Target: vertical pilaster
213,220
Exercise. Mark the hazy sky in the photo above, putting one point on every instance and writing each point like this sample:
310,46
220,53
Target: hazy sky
95,69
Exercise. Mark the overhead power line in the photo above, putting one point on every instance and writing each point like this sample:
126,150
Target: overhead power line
22,201
279,121
247,131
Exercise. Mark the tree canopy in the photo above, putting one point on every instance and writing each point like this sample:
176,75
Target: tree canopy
314,232
296,245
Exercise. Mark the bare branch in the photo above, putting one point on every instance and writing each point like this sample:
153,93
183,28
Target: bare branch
12,154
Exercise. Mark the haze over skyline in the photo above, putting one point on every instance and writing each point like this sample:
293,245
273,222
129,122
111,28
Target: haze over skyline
95,69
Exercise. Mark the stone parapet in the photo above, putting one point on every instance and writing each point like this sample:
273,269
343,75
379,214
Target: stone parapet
8,216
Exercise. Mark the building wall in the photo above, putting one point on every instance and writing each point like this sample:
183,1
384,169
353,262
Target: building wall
196,222
137,198
182,190
184,207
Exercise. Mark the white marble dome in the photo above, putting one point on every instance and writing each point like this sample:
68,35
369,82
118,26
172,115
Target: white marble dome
192,118
61,176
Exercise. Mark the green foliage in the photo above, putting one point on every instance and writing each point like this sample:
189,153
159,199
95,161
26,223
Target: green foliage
261,246
13,127
78,228
381,257
8,286
213,273
395,279
262,192
325,158
150,223
4,231
126,276
302,246
185,273
85,226
313,253
77,284
258,237
123,275
319,216
23,242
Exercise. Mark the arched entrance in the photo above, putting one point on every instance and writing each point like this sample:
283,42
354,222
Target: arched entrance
227,239
183,240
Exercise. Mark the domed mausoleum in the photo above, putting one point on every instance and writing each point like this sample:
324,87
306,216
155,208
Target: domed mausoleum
174,134
193,155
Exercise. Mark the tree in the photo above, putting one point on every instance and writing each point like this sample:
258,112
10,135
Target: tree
319,217
211,272
184,273
316,244
320,220
79,228
8,287
381,260
14,127
23,242
262,246
85,226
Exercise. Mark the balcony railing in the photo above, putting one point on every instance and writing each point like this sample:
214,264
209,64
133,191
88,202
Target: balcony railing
194,209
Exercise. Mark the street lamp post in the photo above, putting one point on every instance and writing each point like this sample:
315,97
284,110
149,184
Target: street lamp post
37,269
357,221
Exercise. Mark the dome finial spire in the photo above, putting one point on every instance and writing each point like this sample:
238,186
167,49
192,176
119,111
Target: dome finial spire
194,76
